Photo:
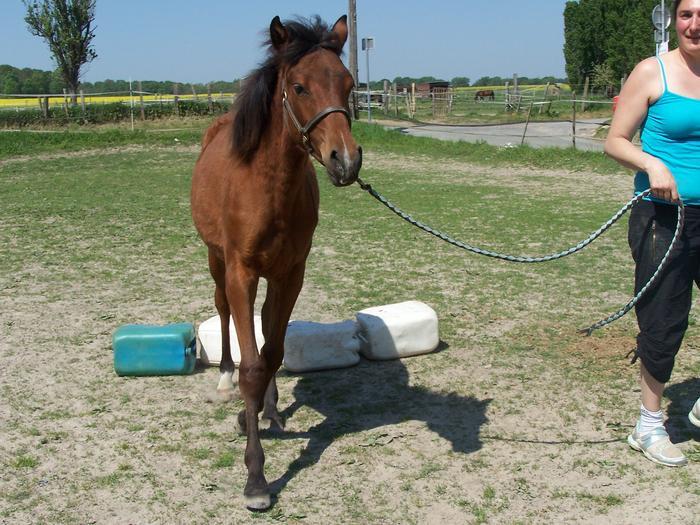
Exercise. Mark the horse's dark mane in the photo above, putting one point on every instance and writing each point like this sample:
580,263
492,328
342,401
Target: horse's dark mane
253,103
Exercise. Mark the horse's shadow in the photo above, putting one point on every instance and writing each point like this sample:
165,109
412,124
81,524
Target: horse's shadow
682,396
375,394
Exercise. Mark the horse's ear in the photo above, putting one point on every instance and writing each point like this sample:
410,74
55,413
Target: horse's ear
278,33
340,28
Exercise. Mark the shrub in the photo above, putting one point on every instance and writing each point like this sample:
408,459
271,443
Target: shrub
105,113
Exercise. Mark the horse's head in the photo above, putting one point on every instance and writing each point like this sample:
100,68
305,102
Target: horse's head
315,89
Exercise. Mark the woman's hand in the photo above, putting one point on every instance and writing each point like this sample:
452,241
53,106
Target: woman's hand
661,181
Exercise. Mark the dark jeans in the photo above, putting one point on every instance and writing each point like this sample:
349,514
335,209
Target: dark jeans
662,314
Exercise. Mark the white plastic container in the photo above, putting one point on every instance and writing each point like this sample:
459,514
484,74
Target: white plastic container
307,346
317,346
209,334
398,330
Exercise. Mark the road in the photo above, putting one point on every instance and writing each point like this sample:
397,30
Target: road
539,134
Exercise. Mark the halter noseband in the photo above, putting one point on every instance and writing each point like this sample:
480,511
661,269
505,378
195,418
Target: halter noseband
311,124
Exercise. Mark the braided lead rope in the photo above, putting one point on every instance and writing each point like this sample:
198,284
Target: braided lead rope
551,257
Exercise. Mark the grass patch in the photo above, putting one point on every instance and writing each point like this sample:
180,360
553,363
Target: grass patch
25,462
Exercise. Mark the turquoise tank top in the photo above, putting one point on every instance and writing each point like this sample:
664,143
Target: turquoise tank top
671,133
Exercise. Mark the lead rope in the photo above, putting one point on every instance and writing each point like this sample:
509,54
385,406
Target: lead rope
551,257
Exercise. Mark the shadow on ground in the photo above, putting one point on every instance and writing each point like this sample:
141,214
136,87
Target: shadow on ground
682,397
375,394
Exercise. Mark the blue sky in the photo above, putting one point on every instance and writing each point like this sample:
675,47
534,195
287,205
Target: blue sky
190,41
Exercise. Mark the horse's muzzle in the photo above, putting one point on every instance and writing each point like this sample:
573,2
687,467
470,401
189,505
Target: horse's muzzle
344,168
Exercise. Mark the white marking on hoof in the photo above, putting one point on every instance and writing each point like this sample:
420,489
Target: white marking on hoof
261,502
226,382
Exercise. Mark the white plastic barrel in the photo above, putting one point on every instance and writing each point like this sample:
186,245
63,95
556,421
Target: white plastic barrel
398,330
209,334
307,346
317,346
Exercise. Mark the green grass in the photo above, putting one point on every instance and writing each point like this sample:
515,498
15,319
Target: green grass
14,143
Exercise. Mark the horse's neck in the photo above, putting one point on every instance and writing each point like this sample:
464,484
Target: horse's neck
280,152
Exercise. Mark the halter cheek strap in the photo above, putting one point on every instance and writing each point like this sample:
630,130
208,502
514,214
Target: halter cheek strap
311,124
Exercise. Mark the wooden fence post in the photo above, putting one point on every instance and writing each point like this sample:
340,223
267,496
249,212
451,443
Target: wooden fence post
413,99
65,101
46,107
573,119
385,97
544,98
529,112
82,105
210,104
176,98
395,90
507,97
585,94
143,110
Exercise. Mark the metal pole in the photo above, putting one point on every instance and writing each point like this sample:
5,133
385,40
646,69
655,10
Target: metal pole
663,21
369,100
352,12
131,98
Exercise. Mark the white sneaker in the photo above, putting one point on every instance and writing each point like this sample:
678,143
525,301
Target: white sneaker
694,414
657,447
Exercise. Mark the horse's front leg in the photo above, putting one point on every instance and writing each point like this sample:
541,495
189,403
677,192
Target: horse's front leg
253,378
279,303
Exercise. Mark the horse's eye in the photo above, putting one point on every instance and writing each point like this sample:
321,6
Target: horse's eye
298,89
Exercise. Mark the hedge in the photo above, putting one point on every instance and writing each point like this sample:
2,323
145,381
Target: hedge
105,113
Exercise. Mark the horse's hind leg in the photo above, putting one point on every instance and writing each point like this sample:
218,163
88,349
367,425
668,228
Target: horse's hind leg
226,389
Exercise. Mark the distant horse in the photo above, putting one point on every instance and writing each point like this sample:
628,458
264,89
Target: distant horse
485,94
255,205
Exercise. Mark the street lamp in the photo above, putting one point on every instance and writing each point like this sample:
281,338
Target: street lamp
367,44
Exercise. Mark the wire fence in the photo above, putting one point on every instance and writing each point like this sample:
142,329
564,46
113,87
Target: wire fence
435,105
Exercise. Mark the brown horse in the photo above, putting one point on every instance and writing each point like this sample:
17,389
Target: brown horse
255,205
485,94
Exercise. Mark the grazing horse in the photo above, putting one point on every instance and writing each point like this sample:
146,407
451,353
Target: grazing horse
255,205
485,94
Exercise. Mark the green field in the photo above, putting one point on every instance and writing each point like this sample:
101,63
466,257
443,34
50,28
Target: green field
516,419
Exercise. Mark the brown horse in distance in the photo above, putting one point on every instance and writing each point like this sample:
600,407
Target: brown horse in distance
255,205
485,94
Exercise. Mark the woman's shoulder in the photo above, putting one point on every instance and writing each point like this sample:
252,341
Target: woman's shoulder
648,68
646,79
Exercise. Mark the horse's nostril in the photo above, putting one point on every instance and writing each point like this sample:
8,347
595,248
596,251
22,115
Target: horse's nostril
334,155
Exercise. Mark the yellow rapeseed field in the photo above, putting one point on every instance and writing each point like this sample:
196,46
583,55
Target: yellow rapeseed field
16,102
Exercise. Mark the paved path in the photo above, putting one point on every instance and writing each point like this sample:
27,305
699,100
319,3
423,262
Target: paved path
539,134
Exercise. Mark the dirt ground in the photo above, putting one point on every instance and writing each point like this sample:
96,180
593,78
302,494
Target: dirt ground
469,434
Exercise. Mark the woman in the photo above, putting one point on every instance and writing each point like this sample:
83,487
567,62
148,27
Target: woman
662,95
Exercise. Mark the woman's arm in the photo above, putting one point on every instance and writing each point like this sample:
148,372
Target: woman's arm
642,87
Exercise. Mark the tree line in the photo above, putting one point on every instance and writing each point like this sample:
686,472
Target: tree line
605,39
16,81
26,81
466,82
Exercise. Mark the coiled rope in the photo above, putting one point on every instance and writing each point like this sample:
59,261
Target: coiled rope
554,256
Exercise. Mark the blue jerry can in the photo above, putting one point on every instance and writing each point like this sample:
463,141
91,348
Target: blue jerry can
150,350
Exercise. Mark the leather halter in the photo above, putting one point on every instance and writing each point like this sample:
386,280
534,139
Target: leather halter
311,124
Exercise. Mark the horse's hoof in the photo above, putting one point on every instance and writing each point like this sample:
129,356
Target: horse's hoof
228,395
240,425
272,423
259,502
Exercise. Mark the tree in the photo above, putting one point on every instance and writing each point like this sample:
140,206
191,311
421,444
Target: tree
67,27
618,33
460,82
